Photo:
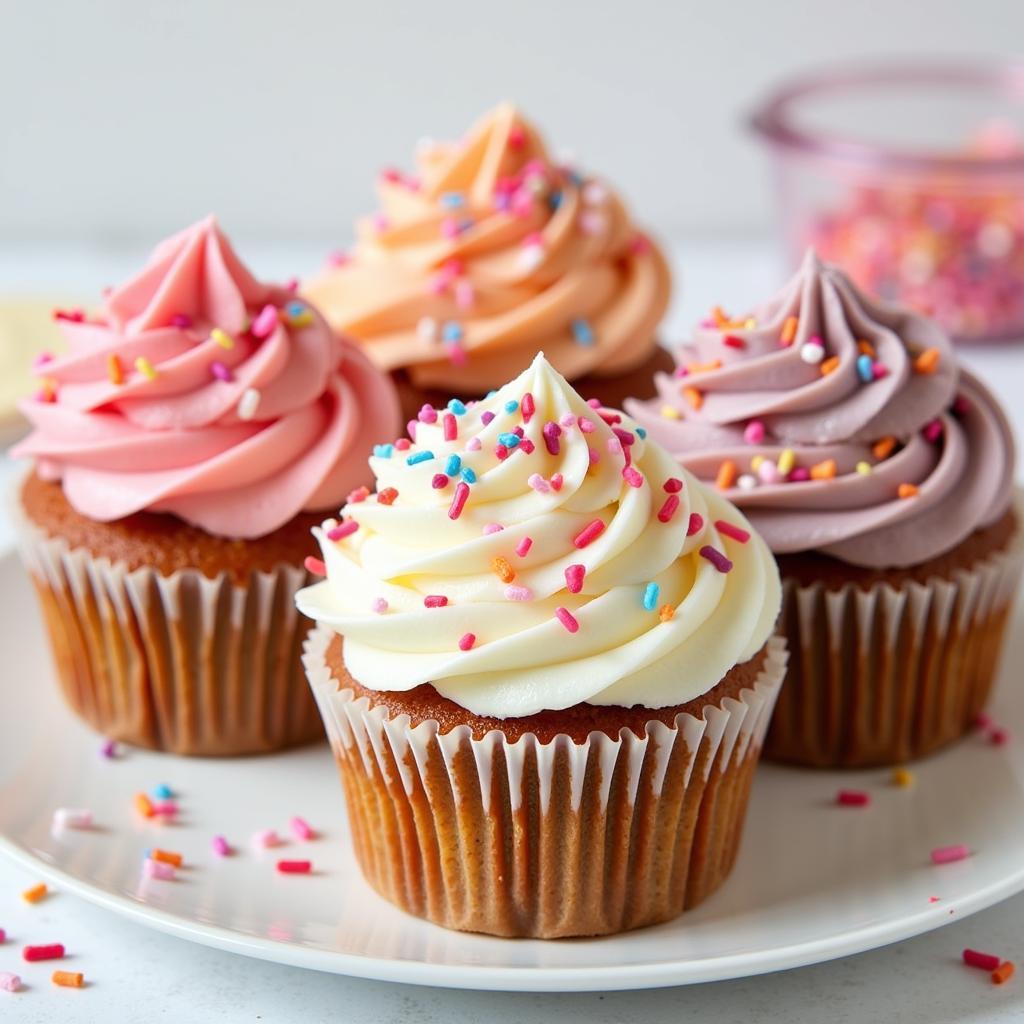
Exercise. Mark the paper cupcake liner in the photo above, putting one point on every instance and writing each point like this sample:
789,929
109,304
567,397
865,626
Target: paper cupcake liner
540,839
184,663
890,674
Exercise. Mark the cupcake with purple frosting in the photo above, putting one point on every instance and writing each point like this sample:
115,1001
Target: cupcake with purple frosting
881,474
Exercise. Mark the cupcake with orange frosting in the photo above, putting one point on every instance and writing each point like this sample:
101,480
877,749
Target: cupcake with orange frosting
183,446
545,663
880,472
489,253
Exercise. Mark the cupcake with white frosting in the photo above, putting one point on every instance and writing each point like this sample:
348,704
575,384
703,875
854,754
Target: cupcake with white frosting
543,657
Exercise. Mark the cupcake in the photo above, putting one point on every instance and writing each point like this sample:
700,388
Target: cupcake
544,661
881,474
183,447
489,253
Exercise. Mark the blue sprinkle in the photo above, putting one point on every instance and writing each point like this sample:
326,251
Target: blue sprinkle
651,593
466,223
457,407
576,178
295,309
865,368
468,475
383,451
491,394
511,406
582,332
163,792
451,331
453,465
418,457
509,440
641,432
452,200
555,200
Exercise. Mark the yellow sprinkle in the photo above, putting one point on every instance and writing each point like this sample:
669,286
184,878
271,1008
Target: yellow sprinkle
902,778
114,370
671,413
694,397
756,462
666,613
36,893
749,324
726,475
146,368
303,319
787,460
789,327
864,468
222,338
830,365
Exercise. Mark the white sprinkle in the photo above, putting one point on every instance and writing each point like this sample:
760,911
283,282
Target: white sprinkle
995,240
811,352
70,817
592,223
594,193
746,482
427,329
248,404
531,256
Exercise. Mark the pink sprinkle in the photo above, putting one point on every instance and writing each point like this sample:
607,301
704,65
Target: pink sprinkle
852,798
294,867
459,500
473,444
501,452
538,483
799,474
568,421
380,606
523,547
109,749
754,432
315,566
932,431
961,406
527,407
165,808
594,455
640,244
301,829
158,869
879,370
768,472
949,854
731,530
435,601
493,528
220,371
428,414
41,360
221,847
614,446
466,641
551,433
343,530
337,258
517,593
716,558
632,477
533,238
381,222
181,320
668,510
589,533
696,524
403,444
3,935
265,323
587,426
574,576
486,416
438,481
9,982
567,619
451,427
673,485
449,228
999,737
556,482
527,446
465,296
982,720
594,403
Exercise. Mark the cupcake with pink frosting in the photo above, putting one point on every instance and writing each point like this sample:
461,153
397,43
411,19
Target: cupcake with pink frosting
880,472
183,446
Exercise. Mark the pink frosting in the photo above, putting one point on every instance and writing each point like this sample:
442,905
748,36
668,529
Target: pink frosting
170,402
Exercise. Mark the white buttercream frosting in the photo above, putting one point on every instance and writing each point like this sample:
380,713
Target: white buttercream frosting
523,657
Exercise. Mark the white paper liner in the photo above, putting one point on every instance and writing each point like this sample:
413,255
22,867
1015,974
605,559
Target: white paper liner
890,674
522,838
184,663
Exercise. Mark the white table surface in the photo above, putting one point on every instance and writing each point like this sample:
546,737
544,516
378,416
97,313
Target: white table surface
137,974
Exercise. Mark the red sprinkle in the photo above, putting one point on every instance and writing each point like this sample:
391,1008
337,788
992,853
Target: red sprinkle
343,530
852,798
466,641
588,534
387,496
556,482
403,444
294,867
668,510
986,961
731,530
716,558
998,737
315,566
438,481
459,500
567,619
574,575
527,446
435,601
696,524
731,341
501,452
528,407
673,485
451,427
52,952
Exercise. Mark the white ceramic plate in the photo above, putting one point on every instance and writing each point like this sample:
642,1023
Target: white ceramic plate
813,881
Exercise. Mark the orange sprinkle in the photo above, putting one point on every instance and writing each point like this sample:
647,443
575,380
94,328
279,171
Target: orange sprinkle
1003,973
694,397
829,365
726,475
715,364
927,361
906,491
867,348
504,569
36,893
68,979
167,856
824,470
719,316
789,327
114,370
144,805
883,449
666,613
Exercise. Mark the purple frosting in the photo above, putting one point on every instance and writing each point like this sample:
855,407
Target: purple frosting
953,442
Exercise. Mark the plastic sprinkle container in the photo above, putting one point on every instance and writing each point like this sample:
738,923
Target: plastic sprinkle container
912,178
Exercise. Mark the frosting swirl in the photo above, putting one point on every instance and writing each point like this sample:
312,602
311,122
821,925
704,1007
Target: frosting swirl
204,393
490,253
529,553
839,424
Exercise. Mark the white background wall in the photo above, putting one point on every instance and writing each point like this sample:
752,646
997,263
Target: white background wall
126,118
